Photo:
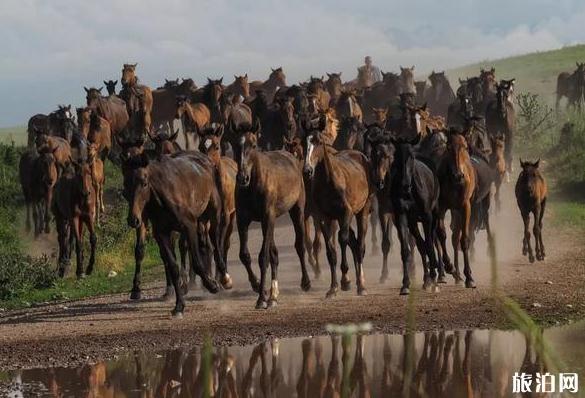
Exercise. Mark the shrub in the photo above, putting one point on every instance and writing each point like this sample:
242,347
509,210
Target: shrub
20,273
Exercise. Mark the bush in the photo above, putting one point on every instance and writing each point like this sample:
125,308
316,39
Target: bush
536,124
20,273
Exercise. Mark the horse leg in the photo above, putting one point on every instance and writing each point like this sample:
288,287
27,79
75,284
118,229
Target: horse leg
77,226
63,237
331,256
438,248
498,184
316,245
28,211
47,211
197,263
243,225
165,248
227,236
405,253
508,142
217,235
385,227
343,236
455,242
264,258
307,240
135,294
542,207
274,292
373,221
297,217
360,244
442,236
527,247
186,272
37,217
463,227
420,244
92,244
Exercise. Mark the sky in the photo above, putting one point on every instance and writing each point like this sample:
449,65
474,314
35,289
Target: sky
51,49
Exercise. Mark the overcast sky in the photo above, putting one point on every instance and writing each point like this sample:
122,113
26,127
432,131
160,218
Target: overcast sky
51,49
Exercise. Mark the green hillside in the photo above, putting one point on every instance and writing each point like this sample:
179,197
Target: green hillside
10,134
535,72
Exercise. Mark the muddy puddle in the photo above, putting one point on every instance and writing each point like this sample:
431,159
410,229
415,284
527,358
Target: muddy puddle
434,364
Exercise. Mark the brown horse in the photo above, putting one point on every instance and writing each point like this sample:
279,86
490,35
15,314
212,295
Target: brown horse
347,105
164,144
381,95
489,84
334,86
74,206
98,177
498,164
138,98
96,130
572,86
440,94
113,109
268,185
194,116
164,101
59,123
226,170
500,118
407,80
531,193
38,175
316,88
276,80
380,115
457,178
240,87
180,207
340,190
59,147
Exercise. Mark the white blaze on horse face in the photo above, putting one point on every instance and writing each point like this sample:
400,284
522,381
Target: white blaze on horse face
208,143
418,124
310,148
350,106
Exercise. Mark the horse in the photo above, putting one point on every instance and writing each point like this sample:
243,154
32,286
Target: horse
240,87
164,100
278,122
347,105
37,175
380,116
350,135
98,178
194,116
236,115
407,80
334,86
531,194
316,87
457,179
226,173
381,95
58,147
74,206
572,86
440,94
112,109
268,184
276,80
340,190
414,194
180,207
59,123
489,84
501,118
96,130
421,90
138,98
497,161
111,86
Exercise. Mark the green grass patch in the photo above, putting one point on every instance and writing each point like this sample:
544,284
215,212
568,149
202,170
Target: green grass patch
569,214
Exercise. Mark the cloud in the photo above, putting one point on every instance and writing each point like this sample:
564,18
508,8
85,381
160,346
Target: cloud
52,49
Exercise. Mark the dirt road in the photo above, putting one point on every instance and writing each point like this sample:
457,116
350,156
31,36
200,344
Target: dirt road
86,330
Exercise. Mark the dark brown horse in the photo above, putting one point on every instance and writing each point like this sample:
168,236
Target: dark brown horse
113,109
531,193
350,135
347,105
500,118
440,94
59,123
572,86
334,86
316,88
276,80
38,175
278,122
340,190
268,185
138,98
240,87
421,91
458,186
164,143
74,206
180,207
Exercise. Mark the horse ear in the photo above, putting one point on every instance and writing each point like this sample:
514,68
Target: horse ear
220,130
424,107
100,89
412,67
173,137
328,74
537,163
106,83
209,81
220,80
246,75
493,70
115,82
135,65
86,89
273,70
512,81
339,74
522,164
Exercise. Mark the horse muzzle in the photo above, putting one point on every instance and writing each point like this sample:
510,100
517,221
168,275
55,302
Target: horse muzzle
243,180
381,185
308,171
134,222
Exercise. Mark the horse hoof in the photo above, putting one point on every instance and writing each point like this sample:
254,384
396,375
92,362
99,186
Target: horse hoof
226,282
306,285
426,285
524,252
470,284
362,291
135,295
345,285
177,314
404,291
272,303
331,293
211,285
441,279
531,259
261,304
436,289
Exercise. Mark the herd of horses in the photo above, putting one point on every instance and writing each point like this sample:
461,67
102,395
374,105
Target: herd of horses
337,156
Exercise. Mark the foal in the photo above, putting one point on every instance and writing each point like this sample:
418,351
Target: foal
268,184
531,192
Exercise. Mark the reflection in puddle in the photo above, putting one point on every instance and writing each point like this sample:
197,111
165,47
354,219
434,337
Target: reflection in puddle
433,364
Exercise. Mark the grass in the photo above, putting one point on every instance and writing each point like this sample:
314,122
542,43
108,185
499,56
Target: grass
13,134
